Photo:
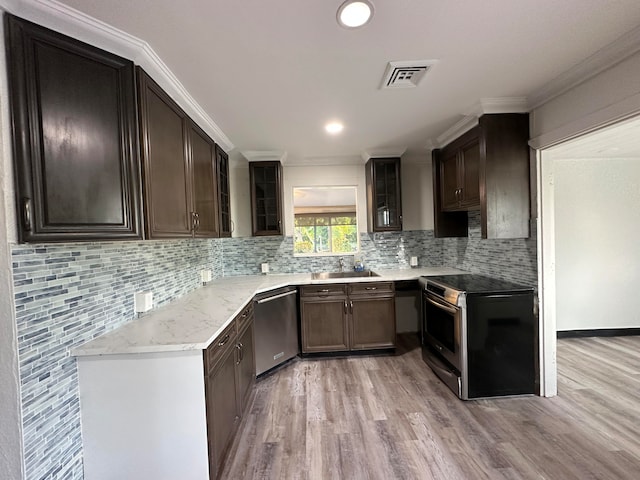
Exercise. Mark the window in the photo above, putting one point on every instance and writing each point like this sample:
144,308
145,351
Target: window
325,221
336,233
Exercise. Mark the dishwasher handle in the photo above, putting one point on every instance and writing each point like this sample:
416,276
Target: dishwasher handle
275,297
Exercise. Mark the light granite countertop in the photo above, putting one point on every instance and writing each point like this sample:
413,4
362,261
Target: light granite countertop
192,322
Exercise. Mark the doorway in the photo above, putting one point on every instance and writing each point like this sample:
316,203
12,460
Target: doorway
589,223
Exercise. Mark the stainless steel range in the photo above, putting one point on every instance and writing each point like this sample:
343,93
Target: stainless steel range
478,335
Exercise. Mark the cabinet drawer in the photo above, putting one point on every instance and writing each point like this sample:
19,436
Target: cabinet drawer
244,318
323,290
371,288
219,346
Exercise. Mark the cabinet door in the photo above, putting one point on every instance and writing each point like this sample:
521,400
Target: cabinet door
449,180
222,408
167,183
384,196
202,159
373,322
266,194
246,365
224,196
324,324
75,137
470,171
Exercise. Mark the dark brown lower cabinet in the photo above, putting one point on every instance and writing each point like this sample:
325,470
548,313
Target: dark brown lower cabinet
362,319
324,324
373,322
222,408
246,365
230,373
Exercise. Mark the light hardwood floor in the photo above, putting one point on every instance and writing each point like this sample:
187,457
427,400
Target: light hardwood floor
389,417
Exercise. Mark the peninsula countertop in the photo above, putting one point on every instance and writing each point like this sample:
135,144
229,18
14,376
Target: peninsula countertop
193,321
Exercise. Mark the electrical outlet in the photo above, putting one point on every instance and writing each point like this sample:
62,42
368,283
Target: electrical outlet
143,302
264,267
205,276
414,261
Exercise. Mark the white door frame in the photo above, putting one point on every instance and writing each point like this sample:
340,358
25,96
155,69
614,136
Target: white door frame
546,275
608,116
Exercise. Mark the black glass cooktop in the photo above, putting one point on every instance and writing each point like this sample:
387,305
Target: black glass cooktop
478,284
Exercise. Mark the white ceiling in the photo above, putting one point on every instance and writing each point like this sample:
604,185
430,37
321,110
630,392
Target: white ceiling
271,73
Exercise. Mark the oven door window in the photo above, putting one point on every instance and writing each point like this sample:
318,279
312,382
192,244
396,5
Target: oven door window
441,325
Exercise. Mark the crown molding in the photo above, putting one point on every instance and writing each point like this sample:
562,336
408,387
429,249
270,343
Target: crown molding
265,155
430,145
463,125
69,21
383,152
472,114
498,105
605,58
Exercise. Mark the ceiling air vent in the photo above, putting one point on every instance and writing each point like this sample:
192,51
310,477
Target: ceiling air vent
406,74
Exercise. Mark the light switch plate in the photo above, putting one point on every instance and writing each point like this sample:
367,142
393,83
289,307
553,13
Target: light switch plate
264,267
414,261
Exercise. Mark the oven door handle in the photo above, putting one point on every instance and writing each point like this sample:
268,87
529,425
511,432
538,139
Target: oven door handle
446,308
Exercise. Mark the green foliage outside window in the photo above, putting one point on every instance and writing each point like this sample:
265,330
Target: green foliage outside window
325,234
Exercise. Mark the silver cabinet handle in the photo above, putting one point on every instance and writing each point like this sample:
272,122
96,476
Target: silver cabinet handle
26,210
345,307
222,342
239,348
370,288
351,305
194,223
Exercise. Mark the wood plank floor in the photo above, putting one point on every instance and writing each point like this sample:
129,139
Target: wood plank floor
389,417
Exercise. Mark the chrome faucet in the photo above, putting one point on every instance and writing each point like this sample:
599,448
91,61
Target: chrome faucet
341,264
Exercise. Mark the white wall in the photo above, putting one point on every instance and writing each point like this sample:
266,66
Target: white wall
610,96
322,176
601,100
597,229
11,464
240,198
417,192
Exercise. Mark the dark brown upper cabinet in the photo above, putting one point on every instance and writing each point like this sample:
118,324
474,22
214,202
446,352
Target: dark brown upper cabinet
202,156
265,179
384,195
495,153
224,195
178,166
74,137
459,174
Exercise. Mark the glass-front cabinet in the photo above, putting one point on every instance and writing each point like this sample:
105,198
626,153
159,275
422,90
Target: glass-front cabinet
384,197
224,195
266,197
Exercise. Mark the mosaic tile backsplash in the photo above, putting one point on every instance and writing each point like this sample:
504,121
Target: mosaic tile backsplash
68,294
513,260
243,256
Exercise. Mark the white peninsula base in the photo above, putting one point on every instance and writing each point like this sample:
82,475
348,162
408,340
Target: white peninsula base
143,416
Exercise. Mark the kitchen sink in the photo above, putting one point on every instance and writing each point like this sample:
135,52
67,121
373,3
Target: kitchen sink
328,275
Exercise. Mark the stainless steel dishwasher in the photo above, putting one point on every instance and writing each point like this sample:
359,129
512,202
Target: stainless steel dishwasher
276,327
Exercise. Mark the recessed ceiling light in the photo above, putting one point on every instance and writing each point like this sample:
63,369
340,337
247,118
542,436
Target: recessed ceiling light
355,13
333,127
